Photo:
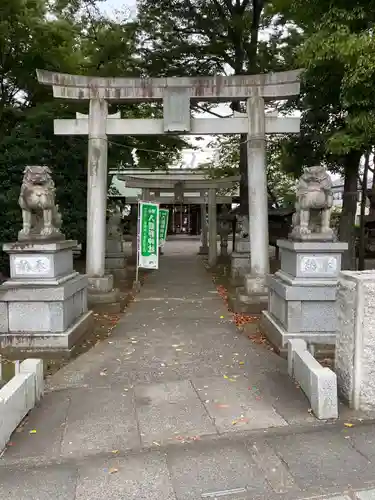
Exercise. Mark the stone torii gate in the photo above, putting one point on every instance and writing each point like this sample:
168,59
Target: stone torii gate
176,93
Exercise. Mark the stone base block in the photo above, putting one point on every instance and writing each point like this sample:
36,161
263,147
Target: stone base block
203,250
279,336
309,259
114,245
39,261
31,309
303,308
48,341
103,297
115,261
242,246
240,266
101,284
255,285
240,302
105,301
120,274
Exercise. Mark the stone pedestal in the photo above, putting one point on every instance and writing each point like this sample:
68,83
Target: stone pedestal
212,228
223,246
115,261
43,306
240,261
203,250
302,295
355,339
102,295
250,298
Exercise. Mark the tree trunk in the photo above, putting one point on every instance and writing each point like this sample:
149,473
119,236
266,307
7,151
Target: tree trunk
372,206
349,209
361,241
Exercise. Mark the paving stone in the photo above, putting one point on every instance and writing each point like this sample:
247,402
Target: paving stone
48,419
322,459
199,309
41,483
100,420
363,439
141,477
169,410
287,398
208,469
234,405
273,469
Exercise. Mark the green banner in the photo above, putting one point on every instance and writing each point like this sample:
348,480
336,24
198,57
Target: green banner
163,225
148,248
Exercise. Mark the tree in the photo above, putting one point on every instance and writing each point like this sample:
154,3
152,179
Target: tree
205,37
336,100
280,185
73,39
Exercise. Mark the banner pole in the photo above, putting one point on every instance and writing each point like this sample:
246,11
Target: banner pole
136,283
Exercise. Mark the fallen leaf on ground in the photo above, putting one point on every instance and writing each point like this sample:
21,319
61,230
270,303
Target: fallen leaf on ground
242,420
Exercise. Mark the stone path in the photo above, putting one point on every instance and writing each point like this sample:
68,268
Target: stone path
178,405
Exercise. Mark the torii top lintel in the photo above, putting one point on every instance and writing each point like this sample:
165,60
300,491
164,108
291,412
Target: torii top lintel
169,182
270,86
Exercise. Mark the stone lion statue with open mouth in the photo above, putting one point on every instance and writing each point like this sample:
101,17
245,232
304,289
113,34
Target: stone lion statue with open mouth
40,214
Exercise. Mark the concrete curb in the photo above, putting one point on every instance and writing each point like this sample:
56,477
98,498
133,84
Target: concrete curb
317,382
19,396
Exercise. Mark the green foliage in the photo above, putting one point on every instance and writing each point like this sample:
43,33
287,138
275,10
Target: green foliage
338,95
205,37
68,36
281,185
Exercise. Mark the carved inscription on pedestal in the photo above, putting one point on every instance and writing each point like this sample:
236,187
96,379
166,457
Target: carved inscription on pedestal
35,265
318,264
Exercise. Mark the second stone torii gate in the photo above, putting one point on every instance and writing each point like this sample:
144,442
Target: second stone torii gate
176,93
209,186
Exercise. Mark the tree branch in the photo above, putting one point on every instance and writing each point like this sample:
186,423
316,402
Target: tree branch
202,108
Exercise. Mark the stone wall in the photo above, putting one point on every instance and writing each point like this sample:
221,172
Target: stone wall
355,339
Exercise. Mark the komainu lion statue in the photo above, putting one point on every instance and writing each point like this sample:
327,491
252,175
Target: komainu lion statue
314,204
40,215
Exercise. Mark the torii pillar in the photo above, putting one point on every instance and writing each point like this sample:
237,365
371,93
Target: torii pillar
100,283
